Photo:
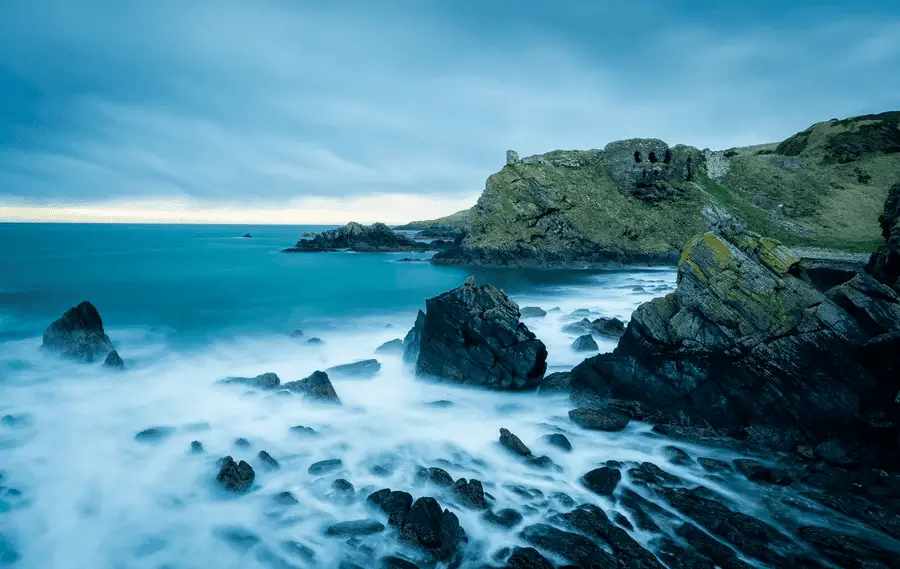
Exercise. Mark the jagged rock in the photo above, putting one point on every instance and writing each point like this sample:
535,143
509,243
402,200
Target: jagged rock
395,504
317,387
325,466
884,264
757,472
154,434
745,341
412,340
713,465
609,327
302,430
114,360
648,473
235,476
555,383
78,334
342,485
237,537
676,456
593,522
470,493
296,334
527,558
242,443
559,440
513,443
354,528
602,480
473,335
574,547
506,517
432,530
532,312
580,327
313,342
598,419
377,237
268,461
363,368
247,236
264,381
585,343
391,347
435,475
196,447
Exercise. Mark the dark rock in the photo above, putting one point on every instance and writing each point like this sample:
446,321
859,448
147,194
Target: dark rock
543,462
564,499
602,480
834,453
592,521
297,334
572,546
585,343
643,511
555,383
441,404
559,441
154,434
377,237
238,538
242,443
722,556
286,499
313,342
269,558
621,520
354,528
676,556
394,562
391,347
506,517
527,558
78,334
470,493
714,465
299,550
268,461
513,443
114,360
235,476
848,550
884,264
317,387
583,326
608,327
301,430
247,236
473,335
677,456
364,368
648,473
196,447
264,381
413,339
532,312
756,472
435,475
434,531
342,485
598,419
325,466
395,504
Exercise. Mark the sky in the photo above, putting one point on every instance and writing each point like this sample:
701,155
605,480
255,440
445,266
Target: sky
277,111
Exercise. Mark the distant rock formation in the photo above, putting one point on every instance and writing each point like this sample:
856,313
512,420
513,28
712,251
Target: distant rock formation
374,238
79,335
473,335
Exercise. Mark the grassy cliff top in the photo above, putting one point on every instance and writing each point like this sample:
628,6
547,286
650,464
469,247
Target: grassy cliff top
456,220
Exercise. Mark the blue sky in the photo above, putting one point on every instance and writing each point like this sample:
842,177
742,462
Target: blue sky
327,111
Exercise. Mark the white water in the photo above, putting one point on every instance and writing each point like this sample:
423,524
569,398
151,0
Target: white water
94,497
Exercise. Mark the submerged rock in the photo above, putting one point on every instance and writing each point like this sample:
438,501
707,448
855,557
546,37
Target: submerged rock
377,237
235,476
506,517
362,368
354,528
559,440
585,343
325,466
114,360
473,335
268,461
154,434
265,381
527,558
432,530
196,447
532,312
470,493
390,347
435,475
286,499
78,334
602,480
317,387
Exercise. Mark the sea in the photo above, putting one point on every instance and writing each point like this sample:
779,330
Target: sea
188,305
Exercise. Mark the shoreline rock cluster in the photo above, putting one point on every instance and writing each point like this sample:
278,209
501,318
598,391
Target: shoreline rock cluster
375,238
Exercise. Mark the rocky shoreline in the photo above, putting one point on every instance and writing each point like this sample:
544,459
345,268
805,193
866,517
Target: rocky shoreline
375,238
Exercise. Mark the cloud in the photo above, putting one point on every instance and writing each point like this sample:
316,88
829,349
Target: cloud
271,102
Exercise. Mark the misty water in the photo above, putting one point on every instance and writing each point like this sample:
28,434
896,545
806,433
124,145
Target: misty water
187,306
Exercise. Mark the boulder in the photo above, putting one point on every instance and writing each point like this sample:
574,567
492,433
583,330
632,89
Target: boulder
434,475
598,419
582,326
527,558
602,481
317,387
505,518
434,531
747,342
473,335
559,440
609,327
533,312
377,237
235,476
268,461
264,381
114,360
513,443
325,466
470,493
585,343
78,334
363,368
354,528
391,347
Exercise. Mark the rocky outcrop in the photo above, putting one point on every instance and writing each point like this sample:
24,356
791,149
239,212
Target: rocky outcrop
362,368
374,238
264,381
317,387
235,476
422,524
412,340
884,265
745,341
473,335
78,334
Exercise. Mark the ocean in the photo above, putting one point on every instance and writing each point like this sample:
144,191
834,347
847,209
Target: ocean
187,305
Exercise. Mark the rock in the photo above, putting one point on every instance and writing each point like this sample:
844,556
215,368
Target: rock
513,443
622,521
583,326
598,419
435,475
286,499
314,342
585,343
196,447
114,360
354,528
363,368
884,264
602,481
574,547
268,461
848,550
677,456
511,157
391,347
473,335
242,443
543,462
395,504
377,237
265,381
556,383
593,522
299,550
527,558
317,387
714,465
305,431
413,339
532,312
235,477
648,473
325,466
247,236
78,334
559,441
238,538
432,530
608,327
756,472
154,434
506,517
440,404
470,493
745,344
297,334
394,562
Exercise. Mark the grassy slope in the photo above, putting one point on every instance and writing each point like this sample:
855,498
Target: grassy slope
454,220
